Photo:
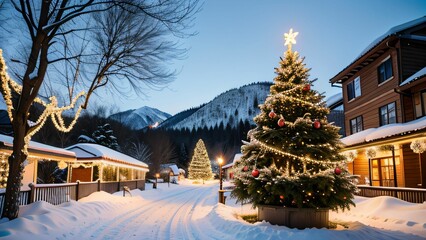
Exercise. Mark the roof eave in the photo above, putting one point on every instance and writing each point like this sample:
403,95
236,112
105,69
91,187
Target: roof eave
364,60
399,138
412,84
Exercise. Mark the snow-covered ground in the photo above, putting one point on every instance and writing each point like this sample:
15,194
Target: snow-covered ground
189,211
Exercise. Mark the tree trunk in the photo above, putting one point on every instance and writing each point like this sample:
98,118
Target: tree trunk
11,201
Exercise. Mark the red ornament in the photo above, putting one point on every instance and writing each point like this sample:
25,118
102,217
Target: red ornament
306,88
255,173
245,168
281,122
272,114
317,124
337,171
281,197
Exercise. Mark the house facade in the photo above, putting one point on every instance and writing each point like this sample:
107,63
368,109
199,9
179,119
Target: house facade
99,162
38,153
384,101
170,172
228,171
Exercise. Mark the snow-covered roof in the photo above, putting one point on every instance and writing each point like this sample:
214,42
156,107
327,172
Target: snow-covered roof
394,31
172,167
48,152
236,158
90,151
332,100
414,77
385,131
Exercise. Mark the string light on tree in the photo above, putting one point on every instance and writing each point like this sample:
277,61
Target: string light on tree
51,109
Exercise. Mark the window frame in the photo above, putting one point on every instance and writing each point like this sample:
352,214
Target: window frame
387,114
386,64
354,89
358,122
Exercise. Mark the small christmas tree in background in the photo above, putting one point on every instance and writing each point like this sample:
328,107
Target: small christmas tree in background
200,167
293,158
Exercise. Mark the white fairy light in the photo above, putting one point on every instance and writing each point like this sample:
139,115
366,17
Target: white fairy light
296,157
51,109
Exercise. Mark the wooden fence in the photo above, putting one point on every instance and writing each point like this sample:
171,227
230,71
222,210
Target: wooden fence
413,195
59,193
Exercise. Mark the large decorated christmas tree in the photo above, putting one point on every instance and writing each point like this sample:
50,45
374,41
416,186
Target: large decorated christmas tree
293,157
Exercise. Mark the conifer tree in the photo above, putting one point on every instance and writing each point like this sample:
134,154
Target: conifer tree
200,167
103,135
293,157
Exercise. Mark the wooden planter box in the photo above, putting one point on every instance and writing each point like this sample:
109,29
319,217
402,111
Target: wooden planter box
294,217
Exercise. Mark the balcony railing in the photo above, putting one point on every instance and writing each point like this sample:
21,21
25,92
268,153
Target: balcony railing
413,195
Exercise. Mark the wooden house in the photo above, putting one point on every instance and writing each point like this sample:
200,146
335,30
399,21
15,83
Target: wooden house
98,162
38,153
228,171
170,172
384,99
336,115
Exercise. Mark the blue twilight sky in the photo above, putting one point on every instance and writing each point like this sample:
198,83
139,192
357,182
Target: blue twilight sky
240,42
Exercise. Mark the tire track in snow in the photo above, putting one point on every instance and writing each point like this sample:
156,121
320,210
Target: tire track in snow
182,223
207,231
116,226
174,222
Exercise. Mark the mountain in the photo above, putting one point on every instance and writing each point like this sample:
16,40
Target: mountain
227,108
141,117
175,119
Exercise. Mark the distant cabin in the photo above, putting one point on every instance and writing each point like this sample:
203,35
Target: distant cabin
170,172
228,172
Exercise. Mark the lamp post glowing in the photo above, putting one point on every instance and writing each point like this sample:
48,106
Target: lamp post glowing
221,194
220,161
157,175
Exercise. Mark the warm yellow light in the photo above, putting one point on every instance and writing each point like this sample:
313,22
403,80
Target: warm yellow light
290,38
157,175
220,161
51,109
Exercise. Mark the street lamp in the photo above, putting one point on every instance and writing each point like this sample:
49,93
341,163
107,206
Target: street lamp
220,161
221,193
157,175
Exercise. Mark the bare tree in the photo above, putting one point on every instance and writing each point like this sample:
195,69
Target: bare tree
49,23
163,151
140,151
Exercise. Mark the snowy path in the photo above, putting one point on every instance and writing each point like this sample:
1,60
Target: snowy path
171,216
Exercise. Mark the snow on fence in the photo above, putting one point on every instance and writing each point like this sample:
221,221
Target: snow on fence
413,195
54,193
24,197
64,192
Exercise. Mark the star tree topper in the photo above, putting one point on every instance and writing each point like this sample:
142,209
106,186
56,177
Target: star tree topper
290,38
